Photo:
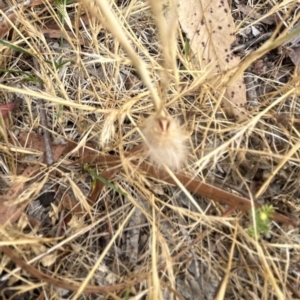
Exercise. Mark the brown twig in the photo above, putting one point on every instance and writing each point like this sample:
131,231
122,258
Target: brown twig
192,184
48,151
59,282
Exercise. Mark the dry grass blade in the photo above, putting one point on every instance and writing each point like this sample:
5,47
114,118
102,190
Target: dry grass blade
6,24
220,294
271,44
6,108
101,257
195,186
101,10
44,123
59,282
162,136
210,30
10,209
99,185
131,98
166,19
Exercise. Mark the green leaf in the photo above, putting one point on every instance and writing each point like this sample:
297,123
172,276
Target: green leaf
15,48
28,77
186,47
57,64
127,294
103,180
59,112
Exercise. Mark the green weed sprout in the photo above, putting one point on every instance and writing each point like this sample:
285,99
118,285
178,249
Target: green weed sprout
262,219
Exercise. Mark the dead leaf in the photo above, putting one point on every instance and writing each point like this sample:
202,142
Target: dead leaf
33,223
53,30
295,40
250,12
99,185
76,222
35,142
49,260
83,21
29,3
294,54
11,212
32,141
85,150
17,187
6,108
3,5
209,26
70,203
5,25
8,213
58,33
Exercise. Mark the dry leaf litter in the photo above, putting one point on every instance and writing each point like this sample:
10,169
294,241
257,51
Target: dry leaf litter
100,223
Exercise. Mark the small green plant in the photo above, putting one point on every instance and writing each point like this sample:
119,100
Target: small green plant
187,49
14,47
262,219
96,176
127,294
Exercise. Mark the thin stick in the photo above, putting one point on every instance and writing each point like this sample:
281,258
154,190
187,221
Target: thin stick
48,151
112,24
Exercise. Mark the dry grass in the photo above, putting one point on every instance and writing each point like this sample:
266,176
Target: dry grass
144,239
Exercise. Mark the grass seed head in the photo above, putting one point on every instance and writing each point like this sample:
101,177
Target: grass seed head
165,141
108,128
